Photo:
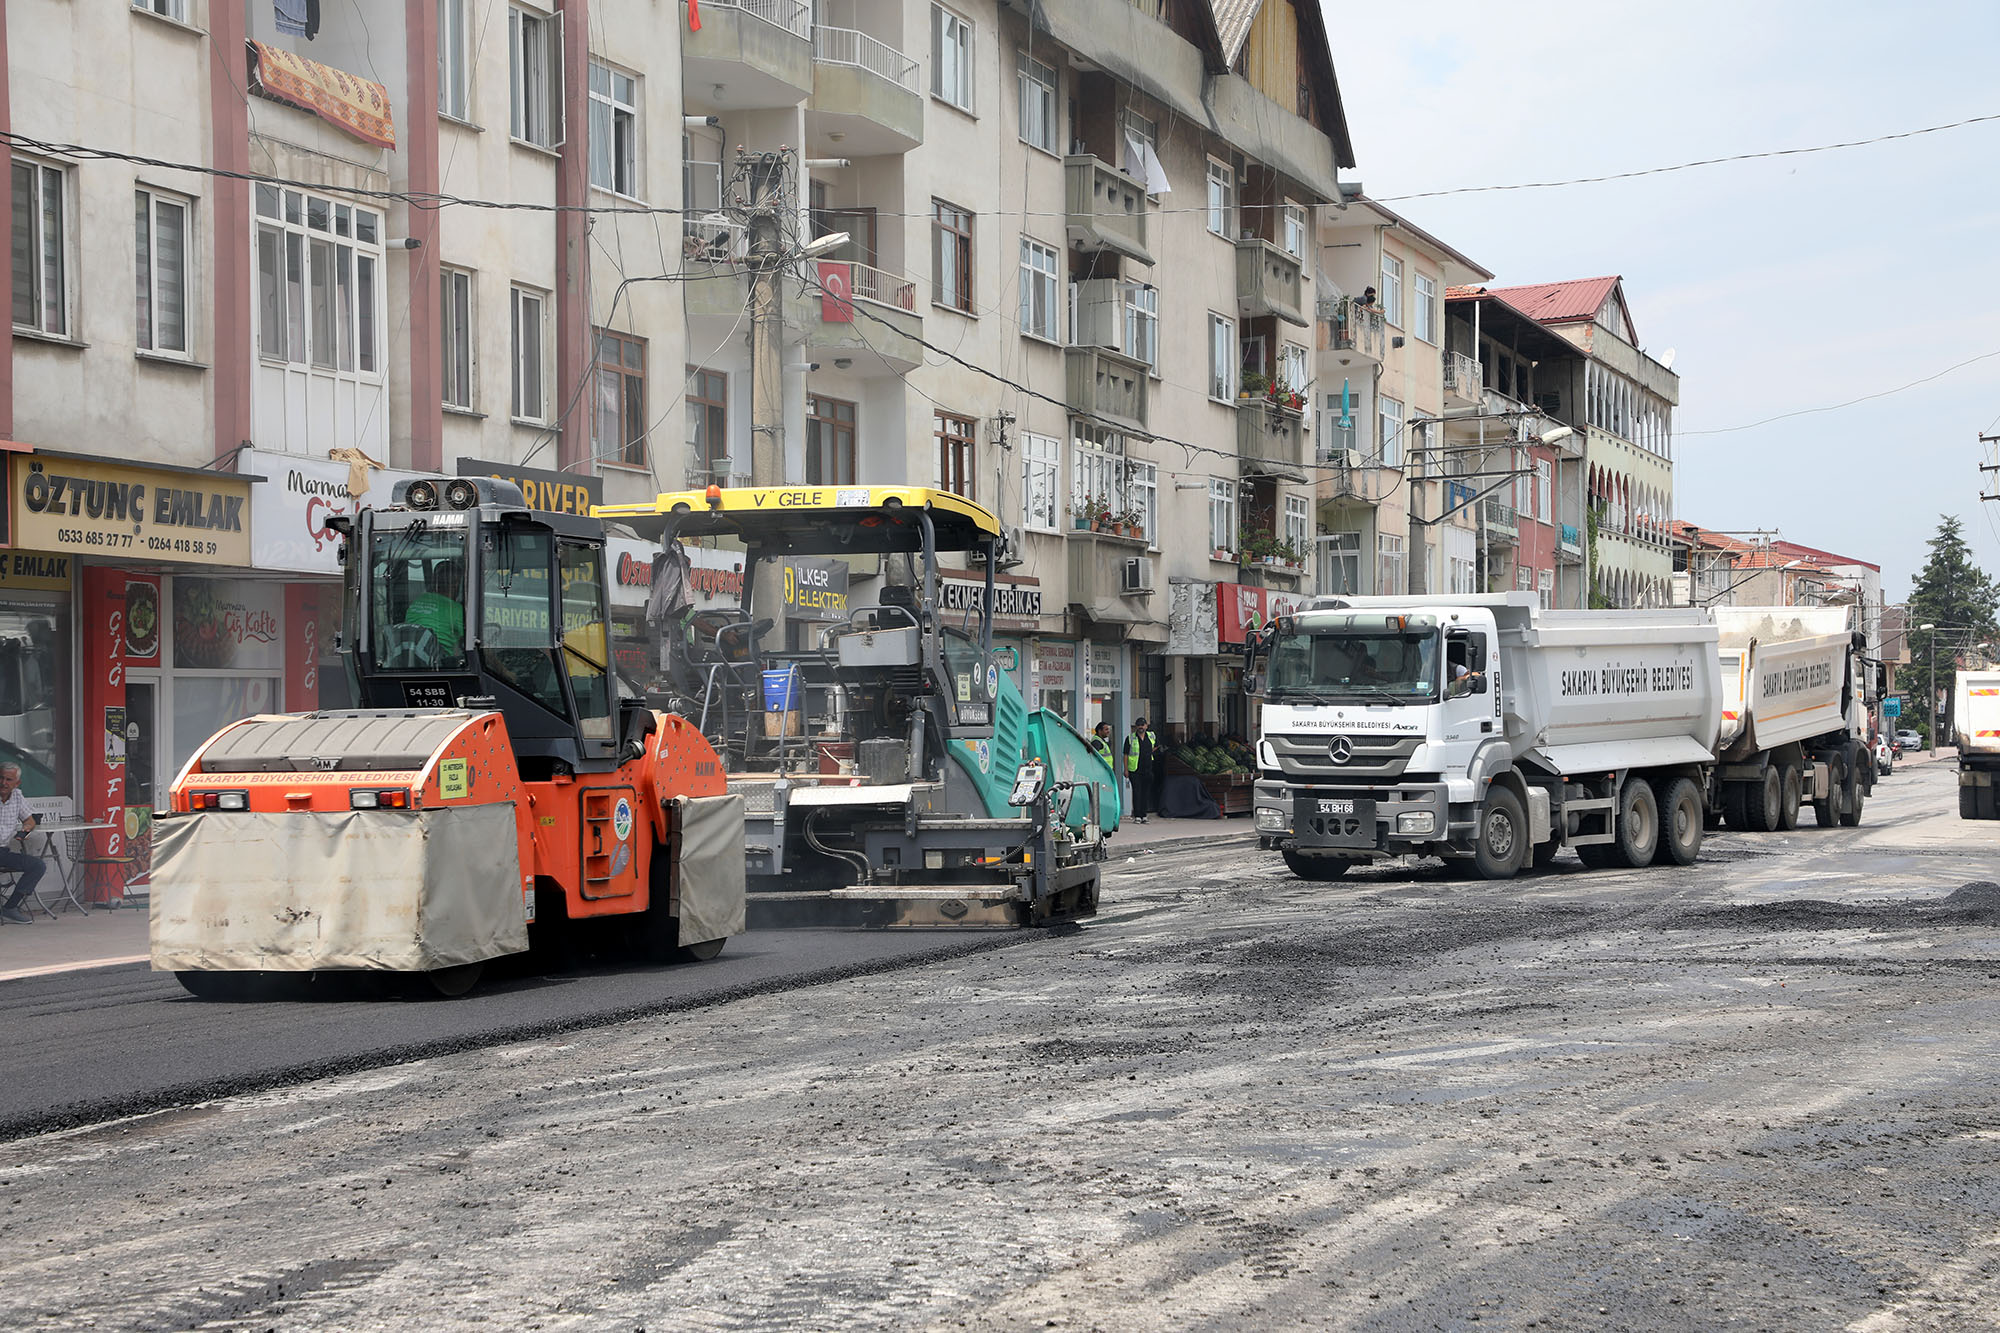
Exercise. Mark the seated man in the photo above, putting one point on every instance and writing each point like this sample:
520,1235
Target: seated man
16,821
440,608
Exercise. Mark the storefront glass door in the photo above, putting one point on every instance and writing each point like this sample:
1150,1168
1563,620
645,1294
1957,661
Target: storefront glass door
143,786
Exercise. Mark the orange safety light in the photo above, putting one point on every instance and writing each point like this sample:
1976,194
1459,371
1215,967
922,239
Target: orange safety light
714,496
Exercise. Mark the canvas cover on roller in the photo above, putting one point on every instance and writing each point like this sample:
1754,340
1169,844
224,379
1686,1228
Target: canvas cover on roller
711,866
378,890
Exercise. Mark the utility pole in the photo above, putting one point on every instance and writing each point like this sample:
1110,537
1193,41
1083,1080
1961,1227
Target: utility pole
1989,484
768,174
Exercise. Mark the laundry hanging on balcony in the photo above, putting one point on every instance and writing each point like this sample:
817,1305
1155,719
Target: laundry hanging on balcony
343,100
694,15
300,18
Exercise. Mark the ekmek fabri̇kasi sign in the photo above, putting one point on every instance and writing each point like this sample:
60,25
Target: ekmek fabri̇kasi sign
83,506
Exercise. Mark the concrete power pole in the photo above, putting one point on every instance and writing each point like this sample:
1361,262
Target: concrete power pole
768,174
1989,468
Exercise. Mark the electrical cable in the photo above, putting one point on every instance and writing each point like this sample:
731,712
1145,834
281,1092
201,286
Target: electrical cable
1835,407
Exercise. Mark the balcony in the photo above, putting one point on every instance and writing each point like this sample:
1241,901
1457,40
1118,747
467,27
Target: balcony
1462,380
1501,523
1268,282
879,320
1337,443
749,55
1270,440
1106,209
1108,385
1096,571
1569,545
866,99
1352,331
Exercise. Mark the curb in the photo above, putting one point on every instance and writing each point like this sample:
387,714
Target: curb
1179,844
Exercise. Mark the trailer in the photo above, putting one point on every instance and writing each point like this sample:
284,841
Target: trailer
1976,728
1794,718
1485,730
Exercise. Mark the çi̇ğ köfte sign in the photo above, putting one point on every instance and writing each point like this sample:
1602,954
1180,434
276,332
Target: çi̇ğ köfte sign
112,509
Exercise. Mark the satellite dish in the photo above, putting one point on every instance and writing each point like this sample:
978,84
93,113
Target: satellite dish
1667,359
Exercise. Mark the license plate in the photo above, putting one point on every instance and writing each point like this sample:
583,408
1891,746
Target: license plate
1326,807
1334,821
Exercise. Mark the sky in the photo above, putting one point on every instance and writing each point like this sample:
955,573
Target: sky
1779,285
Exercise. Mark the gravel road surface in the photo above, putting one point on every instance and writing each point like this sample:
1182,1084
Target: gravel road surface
1756,1093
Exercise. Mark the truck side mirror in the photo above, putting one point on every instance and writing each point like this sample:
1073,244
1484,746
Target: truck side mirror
1464,685
1253,683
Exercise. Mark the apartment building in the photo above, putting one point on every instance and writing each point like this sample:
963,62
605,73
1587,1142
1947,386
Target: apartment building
1393,512
1077,256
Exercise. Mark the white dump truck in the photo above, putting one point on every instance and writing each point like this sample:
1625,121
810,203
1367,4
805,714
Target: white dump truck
1795,696
1976,727
1485,730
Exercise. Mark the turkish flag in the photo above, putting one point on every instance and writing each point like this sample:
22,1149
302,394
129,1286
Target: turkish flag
836,282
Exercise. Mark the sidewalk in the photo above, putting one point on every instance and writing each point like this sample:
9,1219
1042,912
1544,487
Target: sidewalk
74,940
1162,834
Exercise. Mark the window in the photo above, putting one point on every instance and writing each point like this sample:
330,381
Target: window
1221,199
829,441
1038,102
1142,497
1041,481
173,9
1390,578
454,77
951,256
951,58
955,453
1464,573
708,423
1423,316
614,130
41,247
1097,475
1298,523
1524,482
1545,587
1293,230
1389,438
618,428
1141,155
1292,371
1523,579
1392,290
530,369
584,623
1339,571
1221,514
318,283
161,246
1041,302
534,51
1544,486
1142,324
455,325
1221,357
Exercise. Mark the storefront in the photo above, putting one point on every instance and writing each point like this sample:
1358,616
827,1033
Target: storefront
716,582
1207,626
1106,665
1053,678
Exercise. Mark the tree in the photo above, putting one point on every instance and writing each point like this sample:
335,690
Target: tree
1955,595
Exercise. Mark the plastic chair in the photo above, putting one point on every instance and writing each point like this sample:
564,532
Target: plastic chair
109,872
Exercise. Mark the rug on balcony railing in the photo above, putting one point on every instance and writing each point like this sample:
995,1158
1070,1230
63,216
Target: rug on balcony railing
344,100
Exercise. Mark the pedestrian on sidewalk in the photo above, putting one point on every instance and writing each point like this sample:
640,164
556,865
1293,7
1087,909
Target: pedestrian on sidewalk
1142,769
16,822
1100,741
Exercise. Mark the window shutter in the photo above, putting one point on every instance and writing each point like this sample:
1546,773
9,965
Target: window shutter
558,66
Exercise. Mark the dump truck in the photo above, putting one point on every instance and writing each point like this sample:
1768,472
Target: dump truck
1795,700
1976,728
1485,730
927,824
494,790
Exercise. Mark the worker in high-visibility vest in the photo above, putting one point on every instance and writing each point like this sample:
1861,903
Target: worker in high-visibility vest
1142,760
1100,741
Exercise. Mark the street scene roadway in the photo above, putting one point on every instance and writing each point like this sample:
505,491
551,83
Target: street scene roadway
1759,1092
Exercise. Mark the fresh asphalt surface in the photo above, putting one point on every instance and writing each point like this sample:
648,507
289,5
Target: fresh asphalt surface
91,1045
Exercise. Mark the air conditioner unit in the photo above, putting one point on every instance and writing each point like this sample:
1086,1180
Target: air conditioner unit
1136,575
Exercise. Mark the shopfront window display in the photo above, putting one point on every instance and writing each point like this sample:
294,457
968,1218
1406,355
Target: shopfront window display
35,708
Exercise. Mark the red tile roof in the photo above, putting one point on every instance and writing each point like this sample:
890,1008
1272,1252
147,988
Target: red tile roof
1824,557
1558,302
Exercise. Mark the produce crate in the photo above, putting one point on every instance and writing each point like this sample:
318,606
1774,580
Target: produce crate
1231,792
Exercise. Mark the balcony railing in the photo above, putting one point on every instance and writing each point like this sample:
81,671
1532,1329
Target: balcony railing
1353,327
787,14
1500,516
846,46
1461,377
713,240
872,284
1106,208
1107,384
1269,282
1269,439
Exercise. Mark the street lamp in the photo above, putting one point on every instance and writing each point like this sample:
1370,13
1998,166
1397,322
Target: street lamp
1932,709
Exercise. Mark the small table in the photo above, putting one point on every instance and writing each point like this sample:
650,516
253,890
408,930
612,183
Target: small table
48,829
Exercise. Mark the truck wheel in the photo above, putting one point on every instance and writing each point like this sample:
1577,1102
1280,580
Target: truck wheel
1968,808
1680,821
1850,817
1637,832
452,982
1736,805
1791,784
1320,868
217,985
1598,855
1503,831
1765,799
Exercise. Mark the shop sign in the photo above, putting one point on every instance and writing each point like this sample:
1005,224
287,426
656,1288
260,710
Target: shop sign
1055,665
1106,673
228,624
716,577
83,507
290,507
33,571
1191,628
1017,602
1239,610
548,492
815,590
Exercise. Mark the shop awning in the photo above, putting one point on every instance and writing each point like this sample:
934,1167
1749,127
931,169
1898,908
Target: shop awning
346,101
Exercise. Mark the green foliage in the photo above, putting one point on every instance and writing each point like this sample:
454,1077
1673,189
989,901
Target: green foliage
1591,517
1959,598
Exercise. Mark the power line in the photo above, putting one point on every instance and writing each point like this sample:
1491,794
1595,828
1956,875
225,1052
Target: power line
1835,407
1689,166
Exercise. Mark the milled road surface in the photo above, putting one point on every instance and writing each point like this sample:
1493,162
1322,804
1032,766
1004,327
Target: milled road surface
1757,1093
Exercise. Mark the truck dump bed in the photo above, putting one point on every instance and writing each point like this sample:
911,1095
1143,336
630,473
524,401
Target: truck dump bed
1977,717
1784,672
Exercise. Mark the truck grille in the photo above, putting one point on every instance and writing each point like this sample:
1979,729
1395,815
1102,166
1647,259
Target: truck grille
1370,756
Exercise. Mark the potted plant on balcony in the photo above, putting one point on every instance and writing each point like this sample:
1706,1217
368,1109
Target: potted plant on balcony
1135,524
1102,520
1288,398
1081,510
1255,383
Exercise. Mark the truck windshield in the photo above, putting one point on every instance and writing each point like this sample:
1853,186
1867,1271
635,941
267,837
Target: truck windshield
417,597
1391,659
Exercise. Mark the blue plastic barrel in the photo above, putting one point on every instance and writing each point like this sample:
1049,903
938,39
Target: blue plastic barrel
781,690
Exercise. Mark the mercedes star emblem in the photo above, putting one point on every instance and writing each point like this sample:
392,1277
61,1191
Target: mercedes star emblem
1342,749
